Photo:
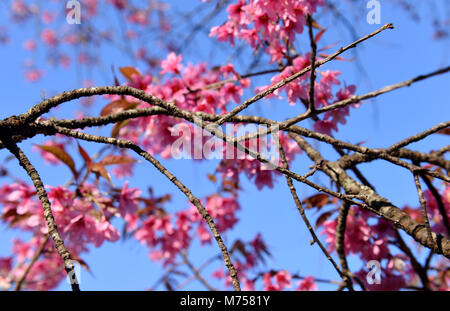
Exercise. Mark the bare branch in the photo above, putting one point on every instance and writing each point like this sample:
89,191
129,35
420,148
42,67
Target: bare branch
48,215
196,272
35,257
311,107
423,205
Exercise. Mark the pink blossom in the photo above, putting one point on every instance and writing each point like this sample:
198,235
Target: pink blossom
225,32
29,45
139,17
268,285
329,77
92,6
119,4
5,264
248,285
283,278
276,51
218,274
325,127
307,284
128,203
228,70
235,10
106,231
48,36
33,75
171,64
232,91
204,235
61,198
47,17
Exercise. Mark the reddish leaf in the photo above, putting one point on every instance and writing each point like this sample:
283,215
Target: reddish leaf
118,126
212,178
318,200
327,47
85,156
100,170
81,262
116,81
322,218
62,156
319,35
334,200
445,131
316,25
239,246
361,143
15,218
337,57
117,106
128,72
165,198
229,185
115,159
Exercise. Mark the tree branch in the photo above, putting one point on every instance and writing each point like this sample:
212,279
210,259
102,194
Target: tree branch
48,215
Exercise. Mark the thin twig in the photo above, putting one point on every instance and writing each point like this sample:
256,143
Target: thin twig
439,202
301,210
340,240
196,272
35,257
311,107
423,204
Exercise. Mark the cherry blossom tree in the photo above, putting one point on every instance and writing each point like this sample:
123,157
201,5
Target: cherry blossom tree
164,107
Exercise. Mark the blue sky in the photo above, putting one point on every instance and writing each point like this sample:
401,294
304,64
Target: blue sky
393,56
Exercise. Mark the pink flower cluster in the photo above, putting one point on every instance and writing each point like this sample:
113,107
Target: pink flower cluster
371,238
83,219
370,242
167,239
323,93
256,171
188,86
283,280
270,24
267,23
